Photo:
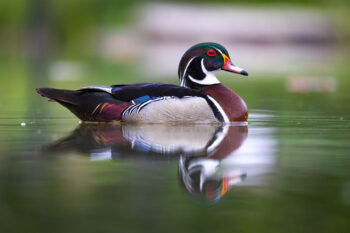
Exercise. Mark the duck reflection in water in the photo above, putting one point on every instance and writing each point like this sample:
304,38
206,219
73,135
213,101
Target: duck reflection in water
200,150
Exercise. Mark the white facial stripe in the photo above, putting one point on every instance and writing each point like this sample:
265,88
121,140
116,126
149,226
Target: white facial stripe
219,50
217,105
203,67
183,83
189,62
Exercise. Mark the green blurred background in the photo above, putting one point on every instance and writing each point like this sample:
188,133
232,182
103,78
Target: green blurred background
68,44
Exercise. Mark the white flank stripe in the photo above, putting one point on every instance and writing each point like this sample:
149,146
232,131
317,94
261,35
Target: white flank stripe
226,120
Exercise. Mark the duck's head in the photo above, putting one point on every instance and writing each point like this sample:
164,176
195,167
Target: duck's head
198,65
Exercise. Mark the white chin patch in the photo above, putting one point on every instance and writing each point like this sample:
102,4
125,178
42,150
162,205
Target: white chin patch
209,79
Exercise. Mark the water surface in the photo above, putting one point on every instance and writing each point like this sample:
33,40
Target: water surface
284,171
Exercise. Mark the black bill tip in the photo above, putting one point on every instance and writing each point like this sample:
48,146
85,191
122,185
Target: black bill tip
243,72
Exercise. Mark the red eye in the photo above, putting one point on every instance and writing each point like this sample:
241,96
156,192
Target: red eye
211,52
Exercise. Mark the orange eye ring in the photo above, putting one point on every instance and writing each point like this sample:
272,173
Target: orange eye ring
211,52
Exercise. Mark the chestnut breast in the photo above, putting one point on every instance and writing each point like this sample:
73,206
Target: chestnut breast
231,103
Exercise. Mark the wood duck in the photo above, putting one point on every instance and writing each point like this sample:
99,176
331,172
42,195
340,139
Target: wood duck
200,98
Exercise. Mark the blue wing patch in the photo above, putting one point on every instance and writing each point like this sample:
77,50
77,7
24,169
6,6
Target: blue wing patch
142,99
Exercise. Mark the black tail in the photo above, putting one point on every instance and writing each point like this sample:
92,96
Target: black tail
61,96
69,99
81,103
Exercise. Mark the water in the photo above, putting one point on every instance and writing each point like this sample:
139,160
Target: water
283,172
